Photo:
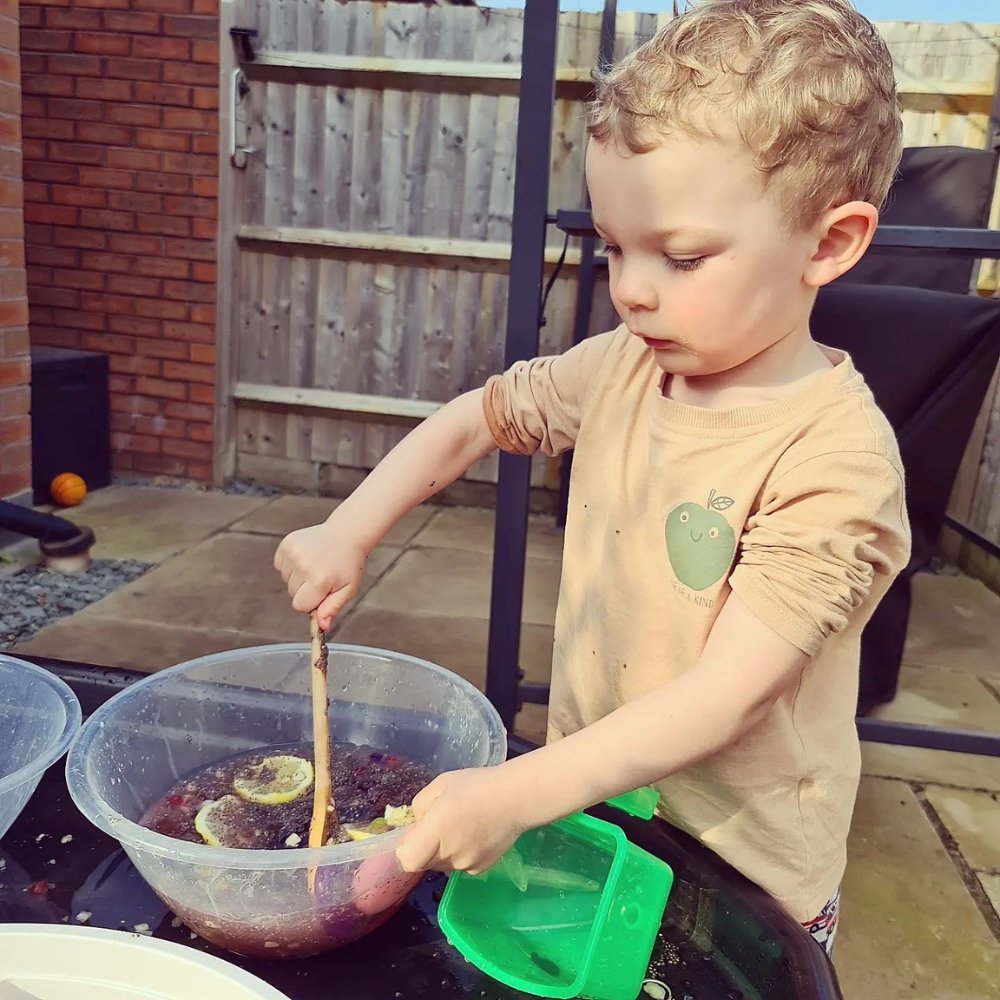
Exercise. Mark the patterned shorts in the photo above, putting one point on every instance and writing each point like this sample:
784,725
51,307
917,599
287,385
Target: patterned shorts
823,927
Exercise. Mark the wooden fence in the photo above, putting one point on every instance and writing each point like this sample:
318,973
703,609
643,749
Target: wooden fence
366,240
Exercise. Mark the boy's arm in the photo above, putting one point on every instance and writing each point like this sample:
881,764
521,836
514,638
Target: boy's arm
322,564
743,670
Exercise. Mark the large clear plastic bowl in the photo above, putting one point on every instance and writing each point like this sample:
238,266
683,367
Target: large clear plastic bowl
39,715
258,903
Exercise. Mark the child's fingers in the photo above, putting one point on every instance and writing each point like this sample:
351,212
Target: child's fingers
332,605
419,849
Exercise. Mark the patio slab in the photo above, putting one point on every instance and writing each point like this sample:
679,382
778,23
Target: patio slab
286,514
991,884
909,927
954,626
227,582
140,522
933,696
471,529
973,819
136,645
941,767
460,644
457,583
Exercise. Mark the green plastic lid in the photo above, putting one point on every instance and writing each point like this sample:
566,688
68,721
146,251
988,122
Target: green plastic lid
641,803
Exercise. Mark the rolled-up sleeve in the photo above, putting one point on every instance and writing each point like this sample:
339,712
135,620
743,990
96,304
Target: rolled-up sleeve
824,533
537,405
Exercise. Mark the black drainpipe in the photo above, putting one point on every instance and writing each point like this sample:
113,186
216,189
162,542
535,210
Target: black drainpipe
57,537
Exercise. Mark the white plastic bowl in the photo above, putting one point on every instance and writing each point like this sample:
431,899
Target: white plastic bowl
161,729
42,962
39,715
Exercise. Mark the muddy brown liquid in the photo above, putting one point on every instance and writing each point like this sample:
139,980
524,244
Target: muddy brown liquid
365,781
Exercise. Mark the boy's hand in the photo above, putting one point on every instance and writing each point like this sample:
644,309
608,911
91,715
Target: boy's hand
322,567
465,821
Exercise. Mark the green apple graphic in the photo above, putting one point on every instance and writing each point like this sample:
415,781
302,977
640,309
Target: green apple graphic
700,542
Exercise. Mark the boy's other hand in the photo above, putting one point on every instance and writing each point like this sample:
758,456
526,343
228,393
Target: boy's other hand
465,821
322,567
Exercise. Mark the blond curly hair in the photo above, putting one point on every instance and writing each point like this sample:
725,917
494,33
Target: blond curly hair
807,84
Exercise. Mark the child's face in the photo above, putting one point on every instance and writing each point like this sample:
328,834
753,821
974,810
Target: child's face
702,268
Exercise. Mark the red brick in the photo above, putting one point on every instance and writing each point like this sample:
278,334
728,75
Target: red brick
187,119
133,159
53,256
196,412
203,314
142,443
103,218
113,304
55,336
31,17
145,424
72,64
32,275
43,128
33,105
135,201
156,348
205,7
14,372
106,178
12,225
205,144
200,333
12,483
92,281
12,255
102,44
204,374
133,364
76,152
63,298
74,319
46,40
175,142
164,225
133,22
114,262
202,394
121,383
109,342
77,111
15,429
163,183
156,309
117,4
16,402
157,267
163,93
203,354
27,191
87,197
147,47
34,149
57,215
160,465
110,135
188,449
205,74
136,404
189,163
161,389
134,69
32,64
206,28
135,326
12,284
204,208
167,6
105,90
15,343
134,114
56,86
85,20
205,98
136,244
130,284
204,229
188,291
207,187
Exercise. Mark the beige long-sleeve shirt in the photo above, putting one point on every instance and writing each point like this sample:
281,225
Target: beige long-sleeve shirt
797,505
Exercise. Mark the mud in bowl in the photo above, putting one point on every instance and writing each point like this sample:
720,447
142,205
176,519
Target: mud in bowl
148,738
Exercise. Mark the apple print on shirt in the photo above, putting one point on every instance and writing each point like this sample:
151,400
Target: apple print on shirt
700,542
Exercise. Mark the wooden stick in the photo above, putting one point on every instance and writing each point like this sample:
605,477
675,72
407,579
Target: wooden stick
324,807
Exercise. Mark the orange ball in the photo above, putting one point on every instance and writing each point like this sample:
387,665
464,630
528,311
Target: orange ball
68,489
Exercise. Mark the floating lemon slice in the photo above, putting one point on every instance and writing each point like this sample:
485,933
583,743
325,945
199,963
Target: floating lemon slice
362,831
396,816
275,780
213,819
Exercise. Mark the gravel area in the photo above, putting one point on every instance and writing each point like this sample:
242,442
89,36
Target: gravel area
238,487
36,597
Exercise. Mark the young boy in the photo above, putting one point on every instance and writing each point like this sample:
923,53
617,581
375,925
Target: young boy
736,510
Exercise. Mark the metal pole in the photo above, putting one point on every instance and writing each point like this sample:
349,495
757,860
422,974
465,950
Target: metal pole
527,267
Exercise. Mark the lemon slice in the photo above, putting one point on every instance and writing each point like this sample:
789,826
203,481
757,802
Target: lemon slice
396,816
213,818
275,780
358,831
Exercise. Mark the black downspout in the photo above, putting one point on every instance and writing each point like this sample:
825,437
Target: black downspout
58,538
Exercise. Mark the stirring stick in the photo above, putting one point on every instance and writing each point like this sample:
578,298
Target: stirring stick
324,808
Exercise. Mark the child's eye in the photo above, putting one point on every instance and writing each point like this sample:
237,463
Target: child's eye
684,263
610,250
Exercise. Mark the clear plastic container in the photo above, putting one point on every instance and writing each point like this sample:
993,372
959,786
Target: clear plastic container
258,903
87,963
39,715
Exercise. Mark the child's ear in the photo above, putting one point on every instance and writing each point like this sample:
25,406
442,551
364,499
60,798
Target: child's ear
844,234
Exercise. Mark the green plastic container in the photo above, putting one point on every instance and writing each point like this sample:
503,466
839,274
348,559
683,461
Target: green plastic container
572,910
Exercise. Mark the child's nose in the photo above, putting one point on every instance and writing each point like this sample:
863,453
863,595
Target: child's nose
633,287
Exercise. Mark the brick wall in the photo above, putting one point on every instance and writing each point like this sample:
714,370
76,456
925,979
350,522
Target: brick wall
120,120
15,367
